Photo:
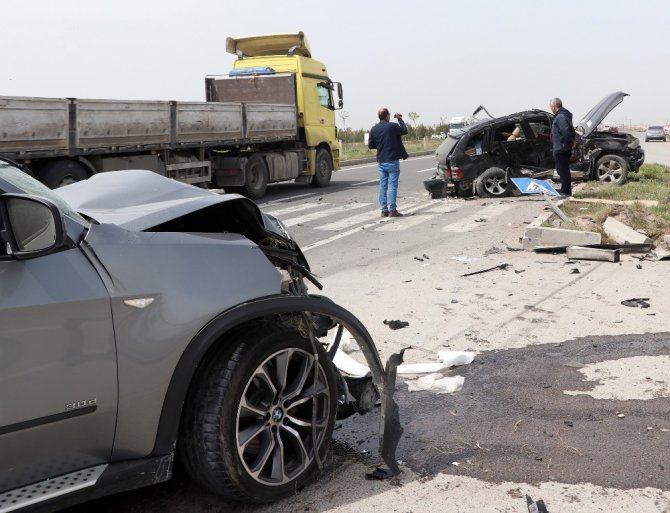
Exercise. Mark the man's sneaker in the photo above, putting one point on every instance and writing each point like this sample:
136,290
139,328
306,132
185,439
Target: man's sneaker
395,213
385,213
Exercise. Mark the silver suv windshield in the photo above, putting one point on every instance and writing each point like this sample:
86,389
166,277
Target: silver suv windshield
26,184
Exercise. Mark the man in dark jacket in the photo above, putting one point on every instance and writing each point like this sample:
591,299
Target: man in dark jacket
386,138
563,139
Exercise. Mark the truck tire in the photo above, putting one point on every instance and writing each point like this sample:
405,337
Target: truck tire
247,432
255,177
62,172
324,168
611,169
492,183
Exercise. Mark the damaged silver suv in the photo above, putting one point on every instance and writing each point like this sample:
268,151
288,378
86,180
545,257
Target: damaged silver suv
144,319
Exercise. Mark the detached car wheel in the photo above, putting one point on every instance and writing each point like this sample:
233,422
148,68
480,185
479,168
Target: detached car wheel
492,183
258,414
611,169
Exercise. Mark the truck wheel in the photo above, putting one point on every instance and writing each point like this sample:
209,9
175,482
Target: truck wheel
612,169
492,183
324,169
248,432
62,172
255,177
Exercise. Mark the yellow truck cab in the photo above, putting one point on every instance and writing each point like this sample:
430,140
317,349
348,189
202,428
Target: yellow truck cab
317,96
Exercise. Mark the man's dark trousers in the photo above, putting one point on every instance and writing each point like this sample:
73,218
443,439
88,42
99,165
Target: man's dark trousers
563,167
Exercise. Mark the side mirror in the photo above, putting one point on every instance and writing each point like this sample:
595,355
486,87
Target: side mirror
31,226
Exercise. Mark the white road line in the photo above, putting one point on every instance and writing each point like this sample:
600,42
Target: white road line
294,208
359,166
363,183
350,221
341,235
404,224
467,223
426,170
286,200
323,213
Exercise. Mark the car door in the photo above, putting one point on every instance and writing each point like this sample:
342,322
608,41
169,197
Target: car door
538,129
58,385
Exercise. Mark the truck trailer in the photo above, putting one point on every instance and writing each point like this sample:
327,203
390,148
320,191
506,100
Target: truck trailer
270,119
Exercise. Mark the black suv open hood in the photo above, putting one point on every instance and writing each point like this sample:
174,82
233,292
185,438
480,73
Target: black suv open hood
596,115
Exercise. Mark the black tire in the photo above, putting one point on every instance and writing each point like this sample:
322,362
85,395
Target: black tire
234,396
611,169
492,183
324,169
255,177
62,172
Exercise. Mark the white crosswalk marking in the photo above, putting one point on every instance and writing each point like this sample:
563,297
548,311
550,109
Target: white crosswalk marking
294,208
349,221
323,213
467,223
406,223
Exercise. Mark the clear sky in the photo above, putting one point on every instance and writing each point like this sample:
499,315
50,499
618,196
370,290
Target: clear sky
438,58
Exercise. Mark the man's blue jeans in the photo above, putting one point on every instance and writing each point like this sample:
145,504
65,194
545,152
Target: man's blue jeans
389,172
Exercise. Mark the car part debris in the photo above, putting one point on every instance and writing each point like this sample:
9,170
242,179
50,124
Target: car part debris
396,325
465,259
436,383
660,254
519,271
636,301
585,253
638,266
623,248
536,507
502,267
446,359
391,428
574,270
426,256
419,259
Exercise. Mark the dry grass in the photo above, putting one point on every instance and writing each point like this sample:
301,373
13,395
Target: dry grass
652,182
351,151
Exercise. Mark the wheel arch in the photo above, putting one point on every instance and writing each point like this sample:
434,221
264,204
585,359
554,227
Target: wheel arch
215,336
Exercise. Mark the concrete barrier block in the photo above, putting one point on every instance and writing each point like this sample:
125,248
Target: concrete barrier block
541,236
623,234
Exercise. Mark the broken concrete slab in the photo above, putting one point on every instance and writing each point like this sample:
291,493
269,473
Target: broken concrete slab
646,203
582,253
666,240
623,234
540,236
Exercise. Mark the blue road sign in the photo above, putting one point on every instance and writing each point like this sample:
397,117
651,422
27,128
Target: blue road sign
532,186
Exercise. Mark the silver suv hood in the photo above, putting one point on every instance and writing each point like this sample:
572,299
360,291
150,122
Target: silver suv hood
598,113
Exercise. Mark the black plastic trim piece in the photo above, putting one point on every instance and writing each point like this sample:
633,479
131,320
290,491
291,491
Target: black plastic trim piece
11,428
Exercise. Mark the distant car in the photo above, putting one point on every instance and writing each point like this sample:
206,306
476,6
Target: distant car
483,157
655,133
441,135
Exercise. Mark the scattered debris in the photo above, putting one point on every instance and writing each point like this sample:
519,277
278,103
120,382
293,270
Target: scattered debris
348,366
569,423
502,267
621,415
660,254
426,256
623,248
446,359
407,281
481,220
519,271
536,507
493,251
639,266
585,253
509,248
396,325
465,259
436,383
454,301
574,270
636,301
419,259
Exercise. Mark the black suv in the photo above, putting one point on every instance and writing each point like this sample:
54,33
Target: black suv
483,157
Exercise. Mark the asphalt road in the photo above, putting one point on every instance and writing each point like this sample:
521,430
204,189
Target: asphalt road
525,415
